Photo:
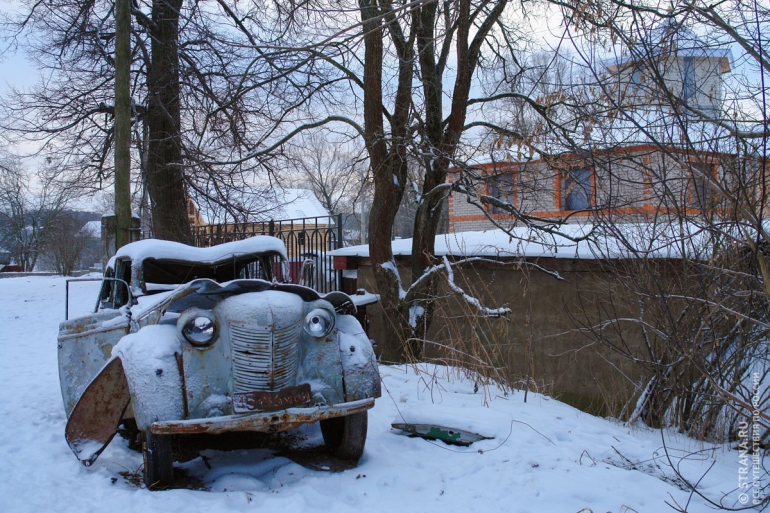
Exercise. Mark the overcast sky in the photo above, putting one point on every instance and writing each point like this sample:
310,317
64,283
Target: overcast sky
15,69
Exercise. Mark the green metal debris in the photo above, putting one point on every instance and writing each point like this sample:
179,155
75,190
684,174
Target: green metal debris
447,435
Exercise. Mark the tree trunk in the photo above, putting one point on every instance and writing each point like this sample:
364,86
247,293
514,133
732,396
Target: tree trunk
389,169
165,172
122,122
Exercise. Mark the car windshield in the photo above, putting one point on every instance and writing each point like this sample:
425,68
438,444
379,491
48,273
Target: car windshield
162,274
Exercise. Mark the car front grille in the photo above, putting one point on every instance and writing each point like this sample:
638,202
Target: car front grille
264,359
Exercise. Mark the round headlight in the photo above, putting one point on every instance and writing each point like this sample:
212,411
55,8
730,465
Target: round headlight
318,323
199,331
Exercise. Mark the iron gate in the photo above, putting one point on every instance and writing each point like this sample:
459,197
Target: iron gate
307,238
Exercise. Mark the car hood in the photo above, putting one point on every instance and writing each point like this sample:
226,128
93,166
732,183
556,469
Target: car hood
218,291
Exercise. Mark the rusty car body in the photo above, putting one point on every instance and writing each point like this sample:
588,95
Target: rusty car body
209,340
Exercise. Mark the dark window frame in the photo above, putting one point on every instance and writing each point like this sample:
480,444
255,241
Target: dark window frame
506,193
571,195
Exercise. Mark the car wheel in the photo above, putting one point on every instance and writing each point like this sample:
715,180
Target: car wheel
158,470
345,437
131,433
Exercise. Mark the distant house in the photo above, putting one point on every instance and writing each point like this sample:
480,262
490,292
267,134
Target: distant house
637,182
691,70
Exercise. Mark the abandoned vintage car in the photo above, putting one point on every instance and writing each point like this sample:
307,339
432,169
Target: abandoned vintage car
208,340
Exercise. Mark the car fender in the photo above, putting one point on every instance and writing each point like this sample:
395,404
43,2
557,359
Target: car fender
359,364
151,360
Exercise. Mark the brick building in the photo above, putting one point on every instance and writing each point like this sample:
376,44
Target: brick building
651,158
634,183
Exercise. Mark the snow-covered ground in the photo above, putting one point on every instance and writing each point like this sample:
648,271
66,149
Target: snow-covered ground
545,456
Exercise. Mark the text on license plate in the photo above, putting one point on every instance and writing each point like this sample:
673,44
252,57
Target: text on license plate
247,402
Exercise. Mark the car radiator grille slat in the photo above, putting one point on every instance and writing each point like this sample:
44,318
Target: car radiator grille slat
263,359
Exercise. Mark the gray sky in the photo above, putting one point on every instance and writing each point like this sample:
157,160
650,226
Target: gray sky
15,69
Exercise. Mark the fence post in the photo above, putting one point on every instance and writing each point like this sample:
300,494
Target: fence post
339,231
271,228
109,233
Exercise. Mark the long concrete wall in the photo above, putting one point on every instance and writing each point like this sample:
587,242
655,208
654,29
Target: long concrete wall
543,344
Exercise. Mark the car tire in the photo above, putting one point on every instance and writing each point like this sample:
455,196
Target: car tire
345,437
131,434
158,470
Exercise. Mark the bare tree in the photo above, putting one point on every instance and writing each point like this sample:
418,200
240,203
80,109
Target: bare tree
67,242
30,207
199,87
330,167
383,75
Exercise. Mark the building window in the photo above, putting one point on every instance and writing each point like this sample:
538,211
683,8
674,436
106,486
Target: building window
501,188
688,81
699,189
576,189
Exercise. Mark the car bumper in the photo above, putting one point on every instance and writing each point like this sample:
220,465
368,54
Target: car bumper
280,420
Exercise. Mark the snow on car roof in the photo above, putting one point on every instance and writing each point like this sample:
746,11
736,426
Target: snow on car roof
168,250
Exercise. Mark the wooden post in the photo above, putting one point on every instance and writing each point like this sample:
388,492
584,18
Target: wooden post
122,122
108,238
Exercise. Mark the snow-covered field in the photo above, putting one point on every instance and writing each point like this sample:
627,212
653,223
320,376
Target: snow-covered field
545,456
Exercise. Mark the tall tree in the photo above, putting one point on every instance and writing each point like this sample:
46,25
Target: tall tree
198,89
165,166
122,123
384,74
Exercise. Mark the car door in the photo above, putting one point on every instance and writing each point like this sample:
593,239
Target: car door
85,343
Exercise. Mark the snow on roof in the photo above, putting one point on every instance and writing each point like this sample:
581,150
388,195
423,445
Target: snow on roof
168,250
626,241
297,203
270,204
92,228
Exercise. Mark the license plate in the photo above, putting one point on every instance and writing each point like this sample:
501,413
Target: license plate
248,402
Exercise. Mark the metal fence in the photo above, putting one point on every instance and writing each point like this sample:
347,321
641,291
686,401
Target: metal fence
307,238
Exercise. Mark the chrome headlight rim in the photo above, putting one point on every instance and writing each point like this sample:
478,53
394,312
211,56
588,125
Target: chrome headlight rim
204,321
319,323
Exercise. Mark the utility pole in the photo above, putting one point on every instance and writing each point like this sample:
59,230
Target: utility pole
122,123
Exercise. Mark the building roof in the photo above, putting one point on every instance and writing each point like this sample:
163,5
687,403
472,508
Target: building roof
295,203
270,204
93,228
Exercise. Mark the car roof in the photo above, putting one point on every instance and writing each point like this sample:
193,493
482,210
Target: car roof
175,251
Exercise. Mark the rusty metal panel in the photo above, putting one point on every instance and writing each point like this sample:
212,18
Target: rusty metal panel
208,377
94,419
359,364
152,373
264,357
